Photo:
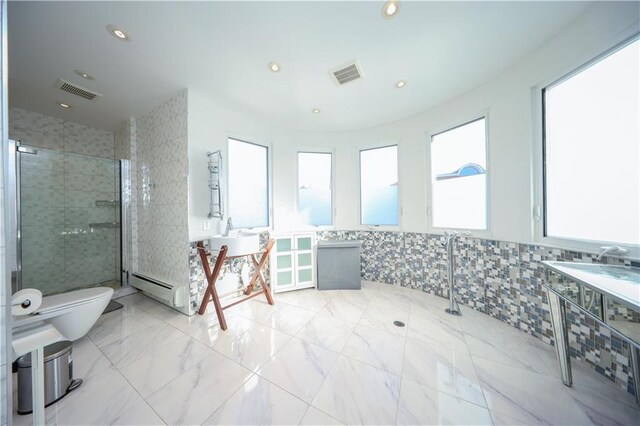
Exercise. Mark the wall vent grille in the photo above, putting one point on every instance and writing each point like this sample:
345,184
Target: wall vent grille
346,73
65,86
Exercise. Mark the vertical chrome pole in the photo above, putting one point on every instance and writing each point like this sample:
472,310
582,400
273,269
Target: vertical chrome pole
558,309
634,359
451,267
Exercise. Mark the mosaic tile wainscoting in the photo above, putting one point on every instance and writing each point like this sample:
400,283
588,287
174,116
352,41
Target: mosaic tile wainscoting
501,279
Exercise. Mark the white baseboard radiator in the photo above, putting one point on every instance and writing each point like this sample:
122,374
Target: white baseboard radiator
166,293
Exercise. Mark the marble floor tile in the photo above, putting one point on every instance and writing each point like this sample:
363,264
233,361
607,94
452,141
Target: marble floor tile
357,393
500,419
343,309
357,298
440,330
139,344
140,415
120,324
252,347
392,300
602,402
326,331
151,372
377,348
88,361
432,306
288,319
527,396
96,401
299,367
422,405
312,300
259,402
254,310
453,369
505,344
443,369
315,417
382,318
198,392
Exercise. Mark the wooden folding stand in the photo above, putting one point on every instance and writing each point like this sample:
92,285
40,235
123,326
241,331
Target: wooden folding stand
211,294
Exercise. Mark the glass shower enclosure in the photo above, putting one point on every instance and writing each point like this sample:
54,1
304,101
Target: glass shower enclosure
69,221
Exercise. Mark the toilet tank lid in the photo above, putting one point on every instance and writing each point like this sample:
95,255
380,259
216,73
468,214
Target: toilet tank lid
57,301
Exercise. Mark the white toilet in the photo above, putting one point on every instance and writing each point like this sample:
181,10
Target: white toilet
72,314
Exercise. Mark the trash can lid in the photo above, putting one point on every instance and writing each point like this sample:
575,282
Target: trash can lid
339,243
50,352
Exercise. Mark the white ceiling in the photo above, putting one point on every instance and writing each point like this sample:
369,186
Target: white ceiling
221,49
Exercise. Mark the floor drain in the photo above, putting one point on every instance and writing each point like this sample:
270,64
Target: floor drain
398,323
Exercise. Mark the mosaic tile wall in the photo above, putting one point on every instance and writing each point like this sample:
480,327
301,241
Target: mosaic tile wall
73,169
160,231
43,131
502,279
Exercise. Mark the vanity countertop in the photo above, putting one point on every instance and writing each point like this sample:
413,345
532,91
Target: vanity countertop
620,283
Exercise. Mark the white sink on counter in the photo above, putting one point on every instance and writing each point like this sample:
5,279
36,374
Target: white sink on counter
239,243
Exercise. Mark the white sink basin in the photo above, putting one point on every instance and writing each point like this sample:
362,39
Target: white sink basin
239,244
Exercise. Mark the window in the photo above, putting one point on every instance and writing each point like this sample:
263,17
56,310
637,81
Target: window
248,184
459,177
314,188
591,151
379,186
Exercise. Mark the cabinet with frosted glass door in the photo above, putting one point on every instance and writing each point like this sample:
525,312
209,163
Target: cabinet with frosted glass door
293,262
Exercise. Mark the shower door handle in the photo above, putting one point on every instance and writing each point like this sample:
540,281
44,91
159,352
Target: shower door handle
26,150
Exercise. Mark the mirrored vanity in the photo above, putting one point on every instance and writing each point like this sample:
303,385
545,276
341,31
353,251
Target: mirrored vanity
608,294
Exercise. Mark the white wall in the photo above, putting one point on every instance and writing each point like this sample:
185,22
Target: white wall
210,125
507,99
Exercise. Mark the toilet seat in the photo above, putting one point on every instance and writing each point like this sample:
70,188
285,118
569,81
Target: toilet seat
74,298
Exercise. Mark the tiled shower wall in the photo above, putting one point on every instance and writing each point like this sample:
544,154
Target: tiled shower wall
160,226
502,279
74,168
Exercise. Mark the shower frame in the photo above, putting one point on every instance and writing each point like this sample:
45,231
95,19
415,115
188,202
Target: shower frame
16,149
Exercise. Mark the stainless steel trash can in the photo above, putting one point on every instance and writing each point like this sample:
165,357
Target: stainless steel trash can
58,376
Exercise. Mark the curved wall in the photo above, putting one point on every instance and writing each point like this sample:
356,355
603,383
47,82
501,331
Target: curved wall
501,275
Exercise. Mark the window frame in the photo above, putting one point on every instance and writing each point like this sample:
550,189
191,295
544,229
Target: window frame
538,217
380,227
471,118
333,181
268,146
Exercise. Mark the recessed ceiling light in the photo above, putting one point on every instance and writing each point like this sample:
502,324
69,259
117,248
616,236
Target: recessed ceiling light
316,110
63,105
118,33
400,84
274,66
390,9
83,74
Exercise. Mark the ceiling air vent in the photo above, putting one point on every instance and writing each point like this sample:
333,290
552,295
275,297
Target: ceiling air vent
346,73
76,90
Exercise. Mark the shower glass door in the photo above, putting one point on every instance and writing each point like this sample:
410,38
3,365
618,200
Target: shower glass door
69,213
